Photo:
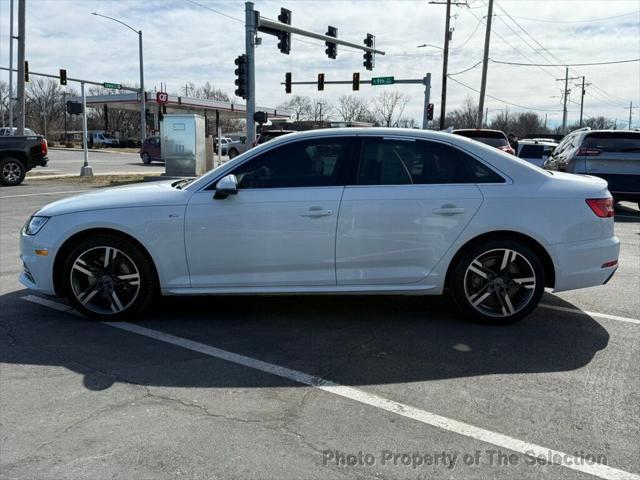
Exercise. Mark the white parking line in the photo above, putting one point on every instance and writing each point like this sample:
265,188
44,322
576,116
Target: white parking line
43,193
591,314
366,398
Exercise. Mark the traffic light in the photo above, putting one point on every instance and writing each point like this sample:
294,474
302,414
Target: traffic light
321,81
287,82
430,111
261,117
242,80
63,76
26,71
368,56
332,48
356,81
284,38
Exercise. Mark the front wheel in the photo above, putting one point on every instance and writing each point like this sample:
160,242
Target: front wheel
12,171
146,158
498,281
233,153
108,278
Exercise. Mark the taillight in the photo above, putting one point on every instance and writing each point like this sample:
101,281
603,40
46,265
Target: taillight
602,207
588,152
508,149
43,145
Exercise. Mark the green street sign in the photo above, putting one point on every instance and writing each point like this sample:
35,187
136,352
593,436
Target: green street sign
115,86
382,81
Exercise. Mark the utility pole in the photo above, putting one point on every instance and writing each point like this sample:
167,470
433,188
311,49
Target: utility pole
583,91
630,107
21,44
143,96
11,38
445,61
86,170
566,96
250,35
485,64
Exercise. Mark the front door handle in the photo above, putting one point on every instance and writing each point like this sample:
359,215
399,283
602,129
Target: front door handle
316,212
448,210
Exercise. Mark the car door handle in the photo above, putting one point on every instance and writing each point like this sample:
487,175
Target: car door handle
316,212
448,210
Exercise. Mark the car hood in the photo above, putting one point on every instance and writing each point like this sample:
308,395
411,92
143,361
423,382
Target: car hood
139,195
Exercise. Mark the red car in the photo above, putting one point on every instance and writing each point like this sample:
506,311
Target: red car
150,150
494,138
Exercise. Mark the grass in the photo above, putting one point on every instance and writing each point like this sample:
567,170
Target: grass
97,180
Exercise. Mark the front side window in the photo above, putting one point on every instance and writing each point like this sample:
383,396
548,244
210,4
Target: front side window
307,163
400,162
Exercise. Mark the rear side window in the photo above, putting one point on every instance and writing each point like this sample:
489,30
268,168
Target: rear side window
400,162
613,142
532,151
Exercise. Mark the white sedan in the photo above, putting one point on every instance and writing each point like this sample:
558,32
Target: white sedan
339,211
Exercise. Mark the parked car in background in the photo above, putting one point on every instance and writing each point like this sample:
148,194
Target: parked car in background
333,211
267,135
102,139
224,145
18,155
151,150
536,151
493,138
237,146
8,131
613,155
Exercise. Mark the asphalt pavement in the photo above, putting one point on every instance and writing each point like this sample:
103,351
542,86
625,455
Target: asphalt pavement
317,387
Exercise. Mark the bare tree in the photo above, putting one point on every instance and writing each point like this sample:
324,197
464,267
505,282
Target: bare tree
352,109
321,110
4,103
389,107
407,123
301,107
44,105
209,92
464,116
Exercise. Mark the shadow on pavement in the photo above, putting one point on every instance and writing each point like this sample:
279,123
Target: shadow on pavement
351,340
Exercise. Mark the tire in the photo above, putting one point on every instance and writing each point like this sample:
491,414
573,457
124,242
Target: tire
121,289
497,282
233,153
12,171
146,158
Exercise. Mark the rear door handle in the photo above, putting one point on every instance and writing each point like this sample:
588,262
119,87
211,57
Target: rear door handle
448,210
316,212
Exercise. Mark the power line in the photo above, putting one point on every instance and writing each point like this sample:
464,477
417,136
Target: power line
565,64
589,20
216,11
503,101
467,69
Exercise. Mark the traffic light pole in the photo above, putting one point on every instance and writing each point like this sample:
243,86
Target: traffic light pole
250,35
86,170
427,99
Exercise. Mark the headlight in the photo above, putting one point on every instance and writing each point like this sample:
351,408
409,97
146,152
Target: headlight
34,225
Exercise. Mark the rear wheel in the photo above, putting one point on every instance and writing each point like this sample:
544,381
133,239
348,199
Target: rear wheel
498,281
233,153
146,158
12,171
108,278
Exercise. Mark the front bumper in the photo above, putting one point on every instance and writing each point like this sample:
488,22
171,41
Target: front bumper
37,271
579,264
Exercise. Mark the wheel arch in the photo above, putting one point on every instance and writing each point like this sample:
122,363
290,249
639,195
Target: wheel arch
73,240
537,247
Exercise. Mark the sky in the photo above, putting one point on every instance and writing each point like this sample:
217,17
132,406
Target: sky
198,40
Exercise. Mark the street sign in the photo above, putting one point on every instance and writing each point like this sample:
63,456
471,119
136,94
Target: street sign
162,97
115,86
382,81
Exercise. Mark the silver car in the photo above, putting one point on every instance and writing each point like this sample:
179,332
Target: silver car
613,155
536,151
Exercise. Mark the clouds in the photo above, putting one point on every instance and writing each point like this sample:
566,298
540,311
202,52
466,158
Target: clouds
185,42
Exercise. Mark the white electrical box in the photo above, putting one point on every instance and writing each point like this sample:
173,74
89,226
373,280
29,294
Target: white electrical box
183,145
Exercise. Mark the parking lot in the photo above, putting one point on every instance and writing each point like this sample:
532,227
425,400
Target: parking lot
317,387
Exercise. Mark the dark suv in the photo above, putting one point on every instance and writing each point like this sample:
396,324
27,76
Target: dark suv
613,155
493,138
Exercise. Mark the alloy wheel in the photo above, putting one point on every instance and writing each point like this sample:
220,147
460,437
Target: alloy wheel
105,280
11,172
499,282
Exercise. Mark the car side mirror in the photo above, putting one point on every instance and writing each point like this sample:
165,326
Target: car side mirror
226,186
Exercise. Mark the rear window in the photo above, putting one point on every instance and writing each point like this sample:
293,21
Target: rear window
494,139
613,142
531,151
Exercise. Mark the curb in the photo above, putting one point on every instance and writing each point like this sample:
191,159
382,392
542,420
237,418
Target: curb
101,174
92,150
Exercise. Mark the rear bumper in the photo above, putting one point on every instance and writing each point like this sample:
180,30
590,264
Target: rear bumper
579,264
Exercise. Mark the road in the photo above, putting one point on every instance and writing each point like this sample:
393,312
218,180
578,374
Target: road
69,162
314,387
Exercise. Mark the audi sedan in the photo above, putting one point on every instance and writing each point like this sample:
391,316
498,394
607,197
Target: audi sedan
340,211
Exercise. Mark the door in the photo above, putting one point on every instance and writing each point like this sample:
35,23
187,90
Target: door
412,199
279,230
